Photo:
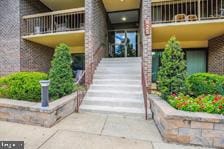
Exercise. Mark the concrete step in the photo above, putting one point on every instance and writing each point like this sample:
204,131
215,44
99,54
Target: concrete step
122,63
122,69
127,59
116,87
134,99
118,76
121,60
124,111
113,102
117,81
133,65
115,94
113,71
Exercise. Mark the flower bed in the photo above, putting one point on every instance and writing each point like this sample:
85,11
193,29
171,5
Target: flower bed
196,128
203,103
201,94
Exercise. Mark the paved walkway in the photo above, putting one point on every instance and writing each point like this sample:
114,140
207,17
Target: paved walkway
89,131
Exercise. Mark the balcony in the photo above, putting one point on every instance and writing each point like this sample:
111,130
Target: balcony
176,11
193,22
54,22
52,28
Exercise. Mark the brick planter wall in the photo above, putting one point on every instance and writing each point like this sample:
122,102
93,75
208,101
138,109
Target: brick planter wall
187,127
30,112
216,55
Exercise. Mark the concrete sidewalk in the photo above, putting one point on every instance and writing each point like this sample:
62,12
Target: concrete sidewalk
89,131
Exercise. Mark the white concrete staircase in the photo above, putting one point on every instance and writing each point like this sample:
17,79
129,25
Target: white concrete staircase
116,88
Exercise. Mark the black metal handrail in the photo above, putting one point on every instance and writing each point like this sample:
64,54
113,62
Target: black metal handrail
145,91
98,55
81,91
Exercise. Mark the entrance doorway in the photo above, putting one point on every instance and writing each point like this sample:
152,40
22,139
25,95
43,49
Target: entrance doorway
123,43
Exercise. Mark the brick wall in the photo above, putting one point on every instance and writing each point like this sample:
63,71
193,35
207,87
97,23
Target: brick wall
17,54
216,55
146,41
9,37
34,57
95,31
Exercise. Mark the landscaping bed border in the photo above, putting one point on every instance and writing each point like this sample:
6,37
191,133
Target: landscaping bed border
31,112
184,127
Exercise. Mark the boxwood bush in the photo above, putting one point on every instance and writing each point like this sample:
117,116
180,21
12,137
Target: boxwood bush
205,83
22,86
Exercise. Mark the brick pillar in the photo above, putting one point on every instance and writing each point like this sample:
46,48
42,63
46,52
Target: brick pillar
216,55
9,37
88,42
95,32
146,41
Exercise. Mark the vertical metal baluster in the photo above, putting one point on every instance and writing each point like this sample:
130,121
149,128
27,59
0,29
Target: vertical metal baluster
52,23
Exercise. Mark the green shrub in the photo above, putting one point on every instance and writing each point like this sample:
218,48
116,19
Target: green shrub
22,86
203,103
205,83
172,72
60,73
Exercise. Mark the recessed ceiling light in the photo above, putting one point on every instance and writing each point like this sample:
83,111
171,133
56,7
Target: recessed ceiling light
123,18
122,0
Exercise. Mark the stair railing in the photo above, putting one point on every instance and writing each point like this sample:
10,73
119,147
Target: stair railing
97,56
81,91
145,91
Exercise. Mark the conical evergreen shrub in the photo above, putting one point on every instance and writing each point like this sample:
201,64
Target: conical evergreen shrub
60,73
172,72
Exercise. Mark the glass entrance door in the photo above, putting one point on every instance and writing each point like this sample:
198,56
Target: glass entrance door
120,44
132,44
123,44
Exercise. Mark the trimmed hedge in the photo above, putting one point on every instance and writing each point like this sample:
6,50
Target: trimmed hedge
205,83
22,86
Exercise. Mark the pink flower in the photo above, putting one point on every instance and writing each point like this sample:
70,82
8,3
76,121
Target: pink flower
174,94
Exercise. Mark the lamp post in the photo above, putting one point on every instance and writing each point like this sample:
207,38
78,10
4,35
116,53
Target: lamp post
44,93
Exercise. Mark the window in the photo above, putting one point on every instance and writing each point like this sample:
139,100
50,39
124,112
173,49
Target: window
196,61
78,63
156,63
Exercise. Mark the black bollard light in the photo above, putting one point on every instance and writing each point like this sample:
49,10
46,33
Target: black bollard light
44,93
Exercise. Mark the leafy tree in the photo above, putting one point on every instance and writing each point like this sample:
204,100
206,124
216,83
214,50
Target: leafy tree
60,73
172,72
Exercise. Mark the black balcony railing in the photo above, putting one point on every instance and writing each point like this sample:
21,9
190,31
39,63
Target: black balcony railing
187,10
56,21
